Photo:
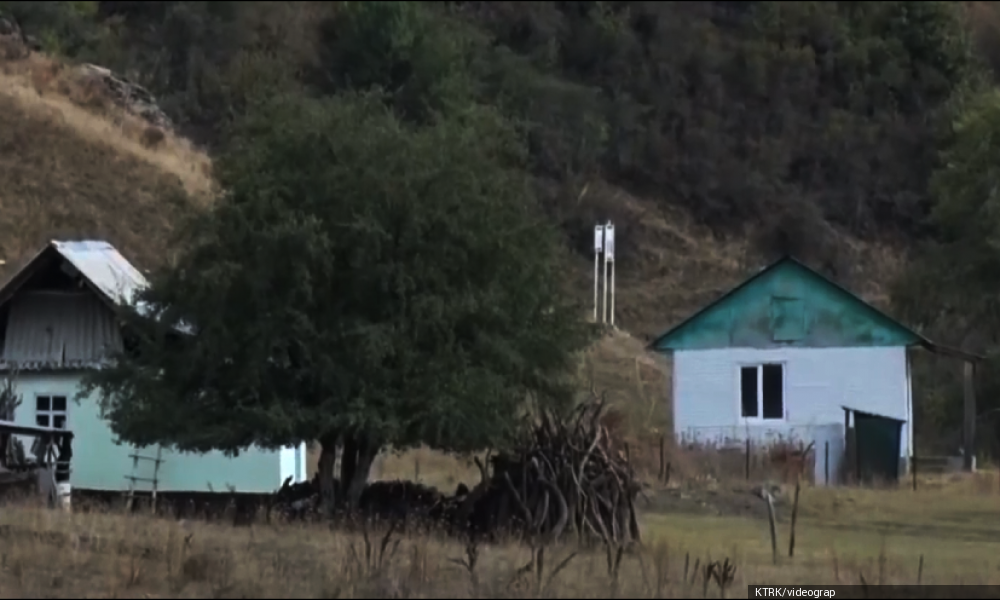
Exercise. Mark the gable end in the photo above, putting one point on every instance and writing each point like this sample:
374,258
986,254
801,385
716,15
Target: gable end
787,305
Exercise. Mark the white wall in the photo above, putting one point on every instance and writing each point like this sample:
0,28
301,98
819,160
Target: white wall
818,382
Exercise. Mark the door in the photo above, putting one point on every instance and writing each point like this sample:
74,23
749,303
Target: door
878,439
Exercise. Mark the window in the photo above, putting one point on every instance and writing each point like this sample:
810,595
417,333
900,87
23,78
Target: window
50,411
762,391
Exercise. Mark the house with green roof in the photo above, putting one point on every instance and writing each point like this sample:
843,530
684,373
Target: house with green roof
782,355
59,319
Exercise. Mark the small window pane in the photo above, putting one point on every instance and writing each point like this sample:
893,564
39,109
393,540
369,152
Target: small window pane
59,403
42,420
42,403
59,421
748,391
773,384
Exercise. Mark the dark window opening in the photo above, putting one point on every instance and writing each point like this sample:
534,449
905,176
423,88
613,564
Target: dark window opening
50,411
748,391
773,392
762,392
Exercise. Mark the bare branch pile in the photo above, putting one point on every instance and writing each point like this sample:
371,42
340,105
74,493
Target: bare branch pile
570,475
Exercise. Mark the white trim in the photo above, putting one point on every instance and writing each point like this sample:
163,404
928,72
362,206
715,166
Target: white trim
759,365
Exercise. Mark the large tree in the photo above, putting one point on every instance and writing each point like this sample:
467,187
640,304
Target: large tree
364,282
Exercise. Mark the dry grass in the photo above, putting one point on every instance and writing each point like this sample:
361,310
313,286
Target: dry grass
73,166
951,527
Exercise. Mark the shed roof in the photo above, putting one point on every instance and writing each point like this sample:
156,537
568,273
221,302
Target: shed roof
919,340
871,414
105,270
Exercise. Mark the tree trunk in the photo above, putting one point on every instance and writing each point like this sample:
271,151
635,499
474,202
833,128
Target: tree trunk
355,481
348,464
327,460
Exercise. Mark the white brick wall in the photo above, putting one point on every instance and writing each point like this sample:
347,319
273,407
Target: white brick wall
818,382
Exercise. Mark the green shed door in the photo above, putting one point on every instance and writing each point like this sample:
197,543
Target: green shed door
878,442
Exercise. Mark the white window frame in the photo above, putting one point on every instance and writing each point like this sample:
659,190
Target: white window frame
51,413
759,365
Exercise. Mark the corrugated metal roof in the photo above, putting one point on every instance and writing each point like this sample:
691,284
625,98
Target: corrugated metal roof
58,330
104,267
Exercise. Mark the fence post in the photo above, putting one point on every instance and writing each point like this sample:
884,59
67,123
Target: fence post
826,464
663,465
913,470
747,465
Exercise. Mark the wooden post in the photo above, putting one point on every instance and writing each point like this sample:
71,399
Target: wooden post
795,513
746,468
770,517
970,417
826,464
663,465
913,470
845,469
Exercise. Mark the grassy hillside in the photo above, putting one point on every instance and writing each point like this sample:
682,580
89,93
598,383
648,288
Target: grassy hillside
73,166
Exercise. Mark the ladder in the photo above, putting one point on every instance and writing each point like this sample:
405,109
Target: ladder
134,478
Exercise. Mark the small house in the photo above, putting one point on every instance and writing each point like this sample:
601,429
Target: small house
789,355
58,319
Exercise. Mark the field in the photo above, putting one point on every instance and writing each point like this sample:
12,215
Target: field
948,531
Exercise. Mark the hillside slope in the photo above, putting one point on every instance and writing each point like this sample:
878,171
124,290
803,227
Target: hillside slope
73,166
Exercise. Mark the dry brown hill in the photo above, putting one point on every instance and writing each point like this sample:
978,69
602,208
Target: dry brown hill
73,165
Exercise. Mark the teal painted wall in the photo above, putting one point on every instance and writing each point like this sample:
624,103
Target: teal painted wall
787,306
99,464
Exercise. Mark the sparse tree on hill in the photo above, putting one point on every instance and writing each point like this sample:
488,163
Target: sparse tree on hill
364,283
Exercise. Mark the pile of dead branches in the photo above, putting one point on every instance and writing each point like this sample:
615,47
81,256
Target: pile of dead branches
570,475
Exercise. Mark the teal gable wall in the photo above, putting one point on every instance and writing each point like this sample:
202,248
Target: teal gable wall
787,305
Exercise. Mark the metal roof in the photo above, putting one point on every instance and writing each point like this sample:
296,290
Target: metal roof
104,267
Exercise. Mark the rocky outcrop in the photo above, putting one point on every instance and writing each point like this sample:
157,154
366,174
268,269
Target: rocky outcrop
127,94
14,45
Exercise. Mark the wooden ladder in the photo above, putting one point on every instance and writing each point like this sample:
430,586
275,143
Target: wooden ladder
133,478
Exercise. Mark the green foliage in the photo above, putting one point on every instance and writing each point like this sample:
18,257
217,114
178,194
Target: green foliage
952,287
738,111
61,27
957,274
421,60
361,277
